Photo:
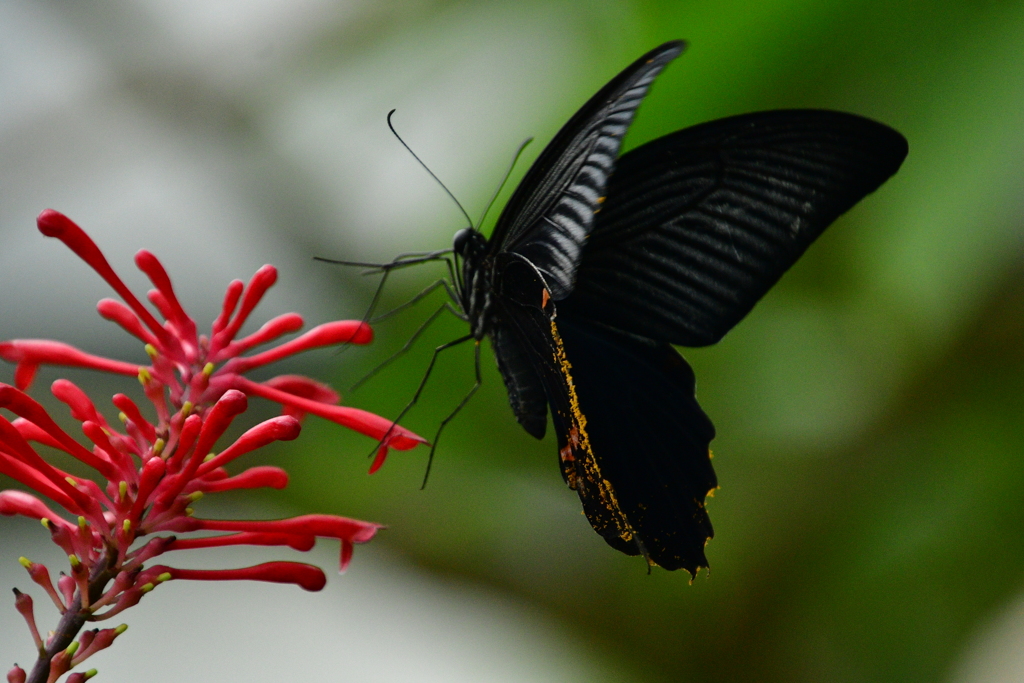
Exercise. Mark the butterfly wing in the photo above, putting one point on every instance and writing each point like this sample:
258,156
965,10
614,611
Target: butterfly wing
525,388
632,441
699,224
550,214
649,437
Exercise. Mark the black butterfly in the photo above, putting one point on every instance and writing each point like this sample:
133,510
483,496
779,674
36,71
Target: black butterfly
591,276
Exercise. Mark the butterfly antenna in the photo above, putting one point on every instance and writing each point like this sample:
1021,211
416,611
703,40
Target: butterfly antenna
443,186
508,172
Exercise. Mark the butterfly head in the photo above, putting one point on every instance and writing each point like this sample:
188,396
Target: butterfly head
469,243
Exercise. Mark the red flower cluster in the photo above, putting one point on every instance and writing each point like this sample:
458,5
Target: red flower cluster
154,470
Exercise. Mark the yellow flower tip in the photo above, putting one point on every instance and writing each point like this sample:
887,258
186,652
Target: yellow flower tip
122,417
158,446
72,648
208,369
194,496
25,562
209,457
166,576
75,562
90,673
121,629
151,351
72,481
189,512
122,489
127,525
82,523
148,587
144,376
186,408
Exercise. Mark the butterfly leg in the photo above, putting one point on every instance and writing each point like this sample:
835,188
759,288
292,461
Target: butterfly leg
444,422
408,345
443,282
400,261
419,390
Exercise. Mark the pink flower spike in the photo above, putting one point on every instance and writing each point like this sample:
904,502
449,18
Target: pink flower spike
346,556
60,664
272,329
300,543
361,421
152,473
306,576
16,675
24,374
264,476
283,428
218,419
23,603
186,439
117,312
153,469
104,448
30,477
36,352
378,460
131,411
12,441
261,281
328,334
154,270
20,404
31,432
323,526
303,387
101,641
41,575
231,297
19,456
67,587
26,505
82,408
55,224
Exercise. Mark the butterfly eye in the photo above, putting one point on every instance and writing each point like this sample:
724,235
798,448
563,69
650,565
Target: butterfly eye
460,241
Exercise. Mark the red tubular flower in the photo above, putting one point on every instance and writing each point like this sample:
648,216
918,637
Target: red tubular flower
305,575
186,363
151,470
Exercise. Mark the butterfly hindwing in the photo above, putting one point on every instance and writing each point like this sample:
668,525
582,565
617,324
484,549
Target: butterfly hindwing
527,312
699,224
525,388
649,437
550,214
632,440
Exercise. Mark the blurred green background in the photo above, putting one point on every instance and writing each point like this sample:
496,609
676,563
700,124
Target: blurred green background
869,525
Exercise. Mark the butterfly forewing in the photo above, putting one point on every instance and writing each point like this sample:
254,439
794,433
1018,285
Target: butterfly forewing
699,224
549,216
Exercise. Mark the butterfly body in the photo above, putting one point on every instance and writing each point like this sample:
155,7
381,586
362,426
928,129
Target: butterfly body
600,263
